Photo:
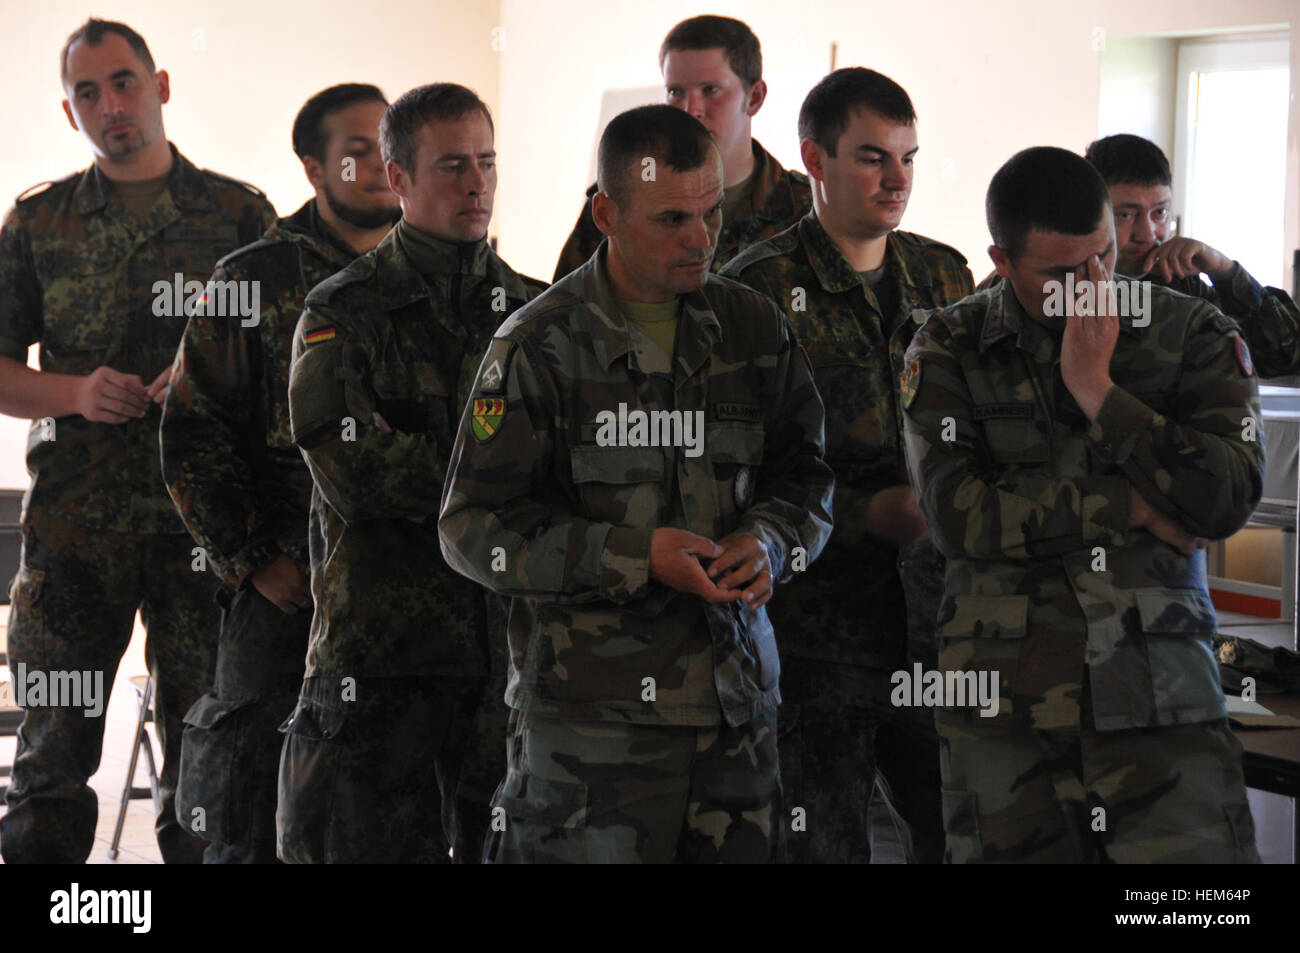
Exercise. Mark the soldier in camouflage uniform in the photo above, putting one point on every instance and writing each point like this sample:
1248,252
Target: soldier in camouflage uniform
1138,176
242,486
849,297
383,359
1070,468
644,674
713,69
88,268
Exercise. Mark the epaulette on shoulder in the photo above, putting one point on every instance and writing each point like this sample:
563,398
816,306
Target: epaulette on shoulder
34,191
922,241
533,284
800,177
359,270
239,182
760,251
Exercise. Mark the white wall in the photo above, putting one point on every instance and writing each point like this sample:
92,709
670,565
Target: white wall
1139,78
236,87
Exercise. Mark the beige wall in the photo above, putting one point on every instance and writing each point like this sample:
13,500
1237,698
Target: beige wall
236,87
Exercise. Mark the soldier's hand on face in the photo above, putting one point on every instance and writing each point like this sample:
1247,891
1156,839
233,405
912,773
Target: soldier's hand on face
892,514
1179,257
1087,346
158,389
675,561
106,396
283,582
1142,515
743,562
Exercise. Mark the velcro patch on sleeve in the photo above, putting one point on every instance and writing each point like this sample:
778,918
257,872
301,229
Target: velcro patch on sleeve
496,364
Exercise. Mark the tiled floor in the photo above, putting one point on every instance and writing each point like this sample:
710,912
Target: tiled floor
138,845
1274,815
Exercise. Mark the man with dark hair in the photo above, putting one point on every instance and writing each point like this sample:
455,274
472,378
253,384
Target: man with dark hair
643,671
713,70
849,280
383,358
1137,174
241,485
92,268
1071,462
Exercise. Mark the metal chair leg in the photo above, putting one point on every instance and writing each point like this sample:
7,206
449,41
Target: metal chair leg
143,700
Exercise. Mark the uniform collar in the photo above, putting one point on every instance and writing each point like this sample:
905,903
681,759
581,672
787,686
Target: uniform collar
833,271
307,226
697,332
1006,317
771,200
185,184
400,284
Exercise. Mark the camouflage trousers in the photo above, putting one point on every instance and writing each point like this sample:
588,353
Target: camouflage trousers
372,767
74,604
839,741
230,755
610,792
1172,794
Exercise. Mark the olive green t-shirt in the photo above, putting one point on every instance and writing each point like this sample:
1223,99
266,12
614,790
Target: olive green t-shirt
657,321
138,197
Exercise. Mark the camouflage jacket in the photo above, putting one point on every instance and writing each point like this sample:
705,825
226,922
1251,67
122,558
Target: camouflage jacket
779,198
1269,319
856,353
228,455
1046,583
540,510
377,338
95,286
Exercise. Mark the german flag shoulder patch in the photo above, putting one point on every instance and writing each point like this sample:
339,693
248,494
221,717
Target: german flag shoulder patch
319,336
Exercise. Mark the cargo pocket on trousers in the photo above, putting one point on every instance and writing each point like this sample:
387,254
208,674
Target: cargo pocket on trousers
206,789
553,803
982,635
309,770
961,825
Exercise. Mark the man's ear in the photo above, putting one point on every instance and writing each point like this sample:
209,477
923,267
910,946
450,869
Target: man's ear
315,171
1001,260
757,96
164,85
398,180
813,159
72,119
604,212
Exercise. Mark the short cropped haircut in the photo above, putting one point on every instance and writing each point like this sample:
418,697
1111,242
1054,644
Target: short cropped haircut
668,135
1051,189
93,32
403,120
744,55
1129,160
829,105
309,138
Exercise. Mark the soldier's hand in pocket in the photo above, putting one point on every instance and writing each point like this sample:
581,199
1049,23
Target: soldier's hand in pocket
284,583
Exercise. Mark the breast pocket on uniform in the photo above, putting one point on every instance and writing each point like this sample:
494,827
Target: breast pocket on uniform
414,399
620,485
81,286
858,394
1015,440
736,451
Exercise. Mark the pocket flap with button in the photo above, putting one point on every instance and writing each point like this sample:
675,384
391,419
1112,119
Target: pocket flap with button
209,711
987,617
1016,441
735,444
557,803
311,720
617,464
1176,611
